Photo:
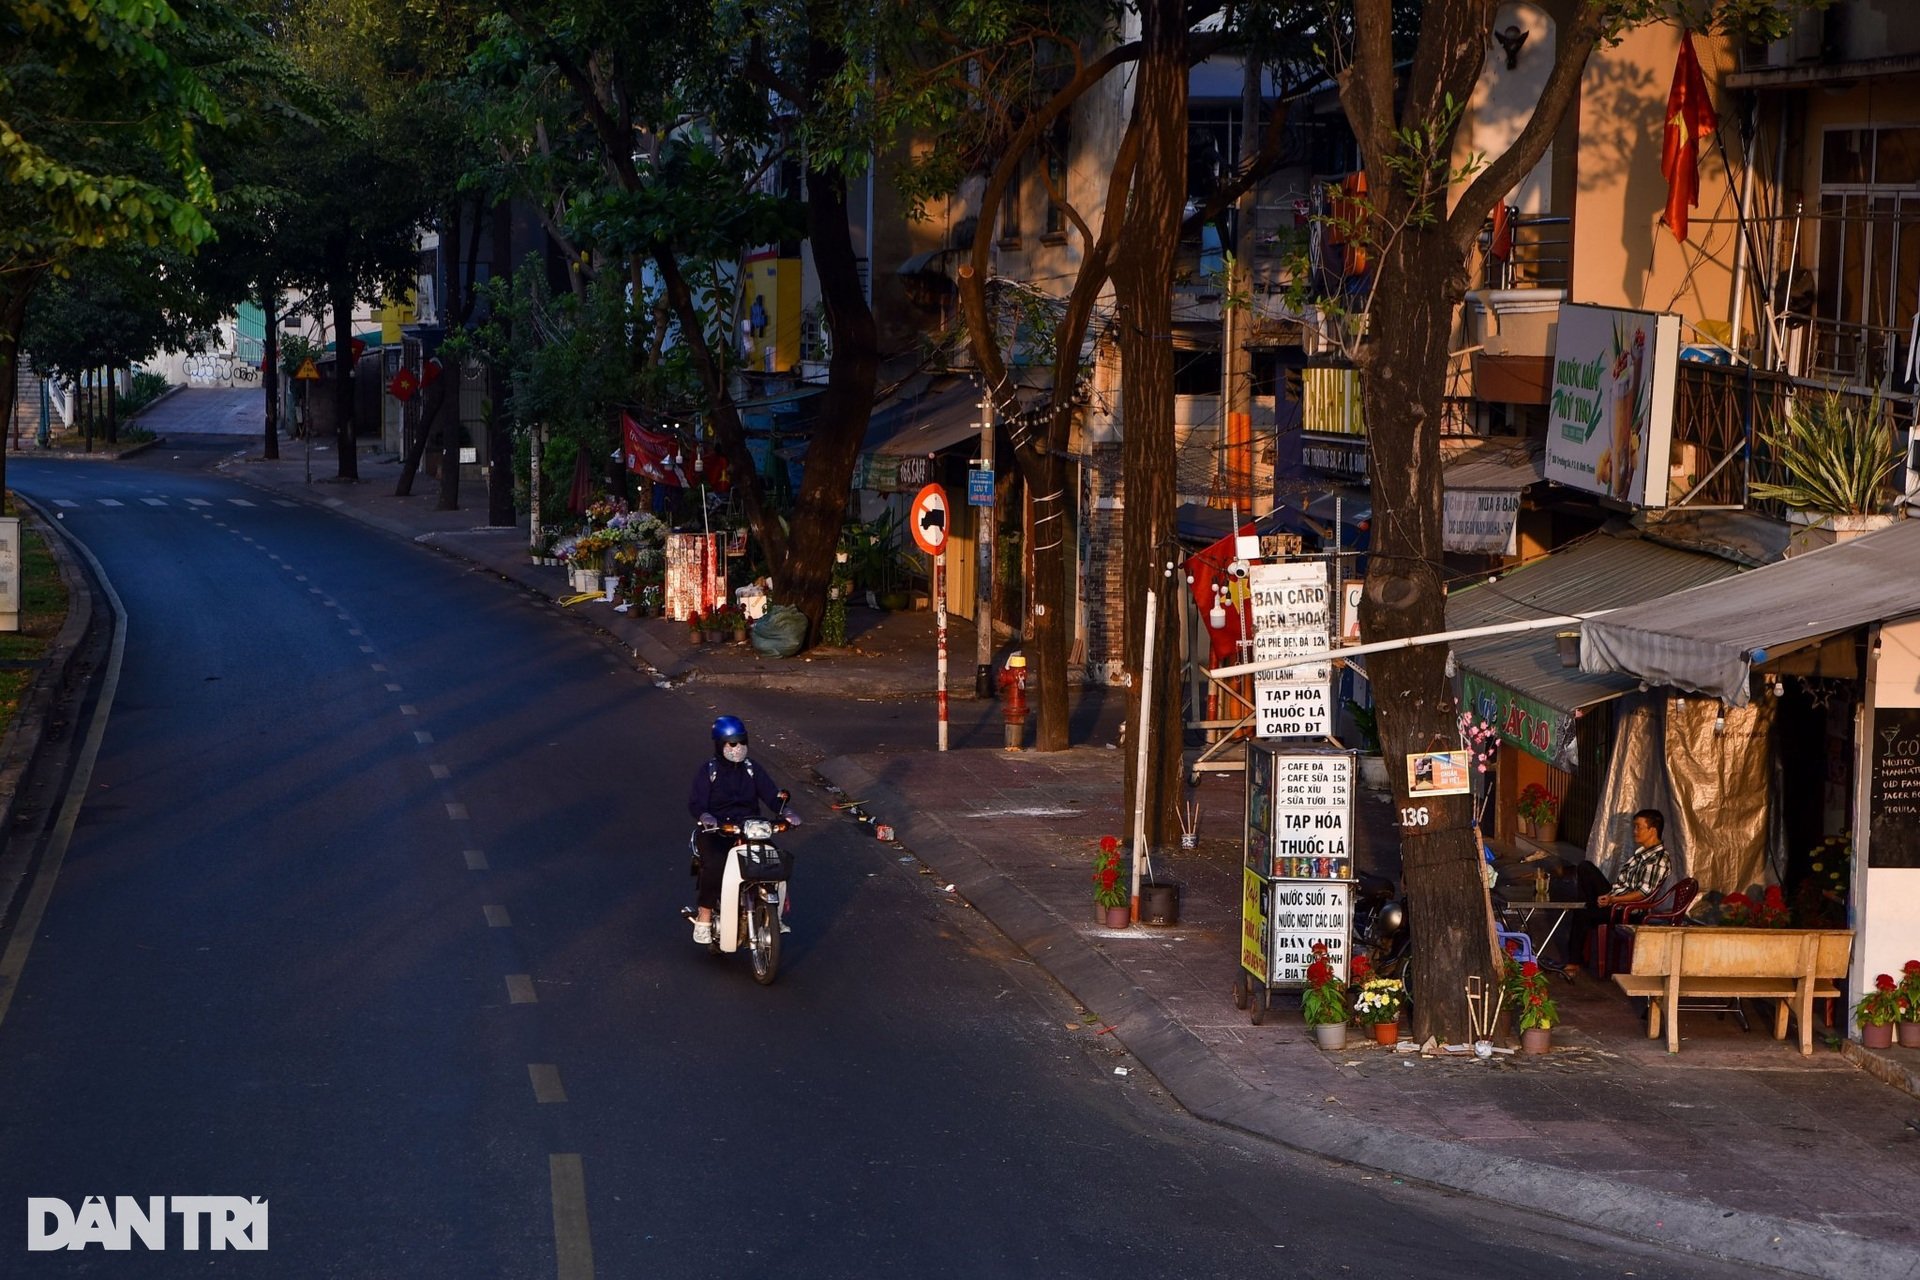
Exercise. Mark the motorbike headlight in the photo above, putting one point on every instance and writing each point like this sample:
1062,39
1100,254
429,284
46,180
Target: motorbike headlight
756,829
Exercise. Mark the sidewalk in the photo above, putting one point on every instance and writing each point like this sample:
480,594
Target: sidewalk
1736,1147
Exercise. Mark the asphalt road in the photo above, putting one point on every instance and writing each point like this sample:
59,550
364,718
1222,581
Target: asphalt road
371,911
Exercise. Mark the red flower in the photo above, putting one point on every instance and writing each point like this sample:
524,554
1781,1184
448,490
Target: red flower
1319,948
1737,900
1319,973
1362,968
1109,844
1883,983
1537,999
1775,898
1529,970
1911,966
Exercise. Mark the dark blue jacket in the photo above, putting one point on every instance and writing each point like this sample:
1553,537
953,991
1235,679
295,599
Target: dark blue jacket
731,791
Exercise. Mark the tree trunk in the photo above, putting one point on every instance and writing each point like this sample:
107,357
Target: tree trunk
15,291
452,435
270,370
1403,367
343,382
1143,287
113,405
430,413
802,577
500,387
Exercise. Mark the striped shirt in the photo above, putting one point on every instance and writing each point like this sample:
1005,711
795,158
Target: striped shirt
1644,871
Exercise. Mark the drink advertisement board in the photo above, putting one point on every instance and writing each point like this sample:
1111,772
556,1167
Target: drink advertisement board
1610,409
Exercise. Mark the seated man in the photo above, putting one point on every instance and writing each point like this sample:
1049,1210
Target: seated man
1641,876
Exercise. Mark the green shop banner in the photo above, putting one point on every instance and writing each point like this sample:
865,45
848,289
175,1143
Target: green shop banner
1534,727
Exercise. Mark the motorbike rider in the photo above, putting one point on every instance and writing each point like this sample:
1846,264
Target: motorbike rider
727,788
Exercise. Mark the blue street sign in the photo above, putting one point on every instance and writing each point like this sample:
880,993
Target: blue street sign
979,488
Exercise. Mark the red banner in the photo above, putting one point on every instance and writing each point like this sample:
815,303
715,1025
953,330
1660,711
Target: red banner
653,454
1211,584
403,385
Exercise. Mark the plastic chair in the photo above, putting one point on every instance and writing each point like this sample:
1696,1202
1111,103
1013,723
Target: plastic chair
1516,944
1668,907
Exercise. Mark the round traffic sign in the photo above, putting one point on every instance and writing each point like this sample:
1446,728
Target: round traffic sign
928,519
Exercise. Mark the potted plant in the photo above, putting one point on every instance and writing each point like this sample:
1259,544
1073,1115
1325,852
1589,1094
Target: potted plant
1109,894
1909,1025
695,632
1834,455
1323,1001
1768,911
1877,1013
1539,811
1377,1003
1534,1011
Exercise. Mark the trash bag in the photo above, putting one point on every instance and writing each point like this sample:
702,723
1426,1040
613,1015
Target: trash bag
781,631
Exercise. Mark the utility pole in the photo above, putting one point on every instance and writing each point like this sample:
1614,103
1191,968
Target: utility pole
983,577
1236,361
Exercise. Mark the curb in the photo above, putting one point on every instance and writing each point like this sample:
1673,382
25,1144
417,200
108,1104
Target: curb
1901,1075
27,735
1201,1085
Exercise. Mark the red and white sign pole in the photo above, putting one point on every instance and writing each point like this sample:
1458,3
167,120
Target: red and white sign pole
928,522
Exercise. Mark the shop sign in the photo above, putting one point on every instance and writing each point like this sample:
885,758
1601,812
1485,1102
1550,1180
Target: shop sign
1545,732
1301,913
883,473
1336,457
979,488
913,472
1292,610
1253,922
1481,521
1610,409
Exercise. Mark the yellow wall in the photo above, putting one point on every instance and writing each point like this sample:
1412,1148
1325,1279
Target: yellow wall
1623,255
776,281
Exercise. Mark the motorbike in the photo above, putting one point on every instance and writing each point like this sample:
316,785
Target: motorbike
1380,927
753,892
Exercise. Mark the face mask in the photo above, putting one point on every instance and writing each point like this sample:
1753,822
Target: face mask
735,752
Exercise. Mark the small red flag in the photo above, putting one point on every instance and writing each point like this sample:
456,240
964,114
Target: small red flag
430,372
358,347
1690,118
403,386
1501,247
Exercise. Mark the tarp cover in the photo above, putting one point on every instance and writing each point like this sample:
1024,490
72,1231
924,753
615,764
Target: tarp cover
1703,640
1711,783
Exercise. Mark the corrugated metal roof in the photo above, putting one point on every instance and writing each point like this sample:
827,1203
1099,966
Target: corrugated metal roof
927,422
1603,571
1509,465
1702,640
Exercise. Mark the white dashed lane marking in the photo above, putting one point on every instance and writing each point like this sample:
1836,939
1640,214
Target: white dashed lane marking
68,503
198,502
239,502
155,502
112,502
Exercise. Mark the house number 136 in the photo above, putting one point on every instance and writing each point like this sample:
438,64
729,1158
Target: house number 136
1415,816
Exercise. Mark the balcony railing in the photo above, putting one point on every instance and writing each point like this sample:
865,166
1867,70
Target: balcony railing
1538,253
1719,408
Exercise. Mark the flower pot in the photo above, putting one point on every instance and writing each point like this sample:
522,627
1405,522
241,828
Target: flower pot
1548,831
1119,917
716,637
585,580
1877,1035
1536,1040
610,584
1529,828
697,636
739,635
1386,1032
1160,903
1910,1035
1330,1035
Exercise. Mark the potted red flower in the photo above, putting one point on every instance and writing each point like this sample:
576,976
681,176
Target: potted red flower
1534,1011
1323,1001
1877,1013
1109,892
1908,994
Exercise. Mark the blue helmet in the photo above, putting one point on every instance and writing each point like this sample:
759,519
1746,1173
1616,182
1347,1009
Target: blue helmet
729,729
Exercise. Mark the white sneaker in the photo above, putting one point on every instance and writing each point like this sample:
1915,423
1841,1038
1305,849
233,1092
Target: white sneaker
703,931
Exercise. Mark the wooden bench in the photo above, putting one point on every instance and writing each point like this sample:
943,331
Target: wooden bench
1793,967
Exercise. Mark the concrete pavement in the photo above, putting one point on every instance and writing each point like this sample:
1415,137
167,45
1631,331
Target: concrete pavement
1737,1147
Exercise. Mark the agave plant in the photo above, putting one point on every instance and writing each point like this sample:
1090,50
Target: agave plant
1834,453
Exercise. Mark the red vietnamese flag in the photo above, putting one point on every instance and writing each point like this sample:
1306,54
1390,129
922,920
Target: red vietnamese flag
430,372
652,454
403,386
1690,118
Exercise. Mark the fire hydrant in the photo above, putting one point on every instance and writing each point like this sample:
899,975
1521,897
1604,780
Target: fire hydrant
1013,706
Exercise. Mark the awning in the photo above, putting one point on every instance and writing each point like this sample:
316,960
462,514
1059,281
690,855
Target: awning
1708,640
1522,671
936,416
1483,481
